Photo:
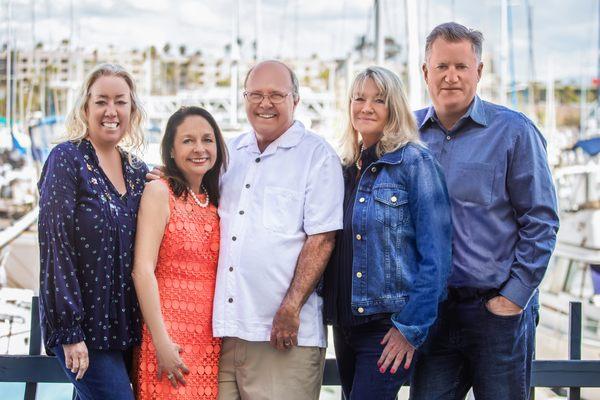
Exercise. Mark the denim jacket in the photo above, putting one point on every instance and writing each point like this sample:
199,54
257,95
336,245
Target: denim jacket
403,240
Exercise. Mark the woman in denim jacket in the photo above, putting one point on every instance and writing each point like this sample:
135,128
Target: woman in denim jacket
389,268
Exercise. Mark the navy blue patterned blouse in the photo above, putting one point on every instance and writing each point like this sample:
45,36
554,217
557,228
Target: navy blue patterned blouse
86,234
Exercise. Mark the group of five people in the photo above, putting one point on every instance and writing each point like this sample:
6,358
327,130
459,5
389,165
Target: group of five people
423,247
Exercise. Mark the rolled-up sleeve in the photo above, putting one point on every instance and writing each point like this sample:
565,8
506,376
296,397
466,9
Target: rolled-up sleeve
430,210
60,295
533,197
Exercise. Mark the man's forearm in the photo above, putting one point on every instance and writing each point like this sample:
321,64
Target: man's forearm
311,264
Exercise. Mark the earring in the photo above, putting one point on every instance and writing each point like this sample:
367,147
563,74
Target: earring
172,156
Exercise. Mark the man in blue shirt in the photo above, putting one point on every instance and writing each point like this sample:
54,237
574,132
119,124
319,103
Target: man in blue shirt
505,220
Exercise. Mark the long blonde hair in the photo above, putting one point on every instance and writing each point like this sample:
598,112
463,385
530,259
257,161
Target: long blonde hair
76,123
400,128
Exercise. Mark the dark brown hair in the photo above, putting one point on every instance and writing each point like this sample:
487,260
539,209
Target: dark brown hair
173,175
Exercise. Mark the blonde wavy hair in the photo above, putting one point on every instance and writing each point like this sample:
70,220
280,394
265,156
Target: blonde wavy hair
400,128
76,123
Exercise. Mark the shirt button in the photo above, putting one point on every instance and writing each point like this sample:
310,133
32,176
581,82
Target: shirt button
230,300
373,169
361,310
394,199
359,274
448,137
233,238
230,269
241,212
257,159
247,186
358,237
361,200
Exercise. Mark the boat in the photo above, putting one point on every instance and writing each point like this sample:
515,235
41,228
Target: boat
574,270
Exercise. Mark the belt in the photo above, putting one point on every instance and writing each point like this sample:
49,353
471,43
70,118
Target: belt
469,293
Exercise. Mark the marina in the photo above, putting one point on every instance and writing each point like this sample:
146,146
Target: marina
34,123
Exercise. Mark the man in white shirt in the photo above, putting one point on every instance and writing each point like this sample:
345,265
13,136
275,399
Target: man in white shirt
281,201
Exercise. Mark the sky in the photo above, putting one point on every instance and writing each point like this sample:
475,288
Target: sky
565,32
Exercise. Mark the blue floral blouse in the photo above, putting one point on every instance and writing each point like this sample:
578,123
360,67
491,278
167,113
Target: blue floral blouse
86,234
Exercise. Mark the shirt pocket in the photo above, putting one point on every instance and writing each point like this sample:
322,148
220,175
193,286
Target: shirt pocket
390,205
282,210
473,183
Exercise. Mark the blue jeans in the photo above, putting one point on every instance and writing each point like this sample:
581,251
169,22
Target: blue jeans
106,377
357,350
468,346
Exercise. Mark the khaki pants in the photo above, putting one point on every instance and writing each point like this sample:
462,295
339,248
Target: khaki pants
257,371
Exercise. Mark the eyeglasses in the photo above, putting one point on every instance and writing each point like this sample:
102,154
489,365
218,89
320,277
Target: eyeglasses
274,98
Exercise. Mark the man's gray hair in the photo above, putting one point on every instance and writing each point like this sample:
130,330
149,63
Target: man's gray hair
454,32
293,77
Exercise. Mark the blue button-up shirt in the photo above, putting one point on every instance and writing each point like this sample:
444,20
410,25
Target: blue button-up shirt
504,209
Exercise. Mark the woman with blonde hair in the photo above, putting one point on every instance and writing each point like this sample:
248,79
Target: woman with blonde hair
90,189
389,268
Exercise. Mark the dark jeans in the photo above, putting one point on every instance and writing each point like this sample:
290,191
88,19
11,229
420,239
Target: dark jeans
106,377
468,346
357,350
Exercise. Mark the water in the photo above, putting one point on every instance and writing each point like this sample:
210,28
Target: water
45,391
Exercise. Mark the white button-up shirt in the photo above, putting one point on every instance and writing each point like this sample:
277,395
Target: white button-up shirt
269,203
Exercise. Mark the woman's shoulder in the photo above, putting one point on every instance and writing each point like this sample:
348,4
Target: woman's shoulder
67,149
415,152
64,156
157,189
135,162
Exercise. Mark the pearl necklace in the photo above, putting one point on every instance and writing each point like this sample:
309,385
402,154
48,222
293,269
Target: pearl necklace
358,162
196,200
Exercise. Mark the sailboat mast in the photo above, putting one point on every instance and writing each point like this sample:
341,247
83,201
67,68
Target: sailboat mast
9,71
414,58
531,86
598,66
234,66
503,51
379,48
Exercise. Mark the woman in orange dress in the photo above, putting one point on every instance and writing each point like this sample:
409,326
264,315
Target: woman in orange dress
177,249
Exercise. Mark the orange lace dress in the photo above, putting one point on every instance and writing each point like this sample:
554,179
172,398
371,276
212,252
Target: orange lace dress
186,271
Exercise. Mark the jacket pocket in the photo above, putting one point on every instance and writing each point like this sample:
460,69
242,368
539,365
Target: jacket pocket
473,183
282,210
390,205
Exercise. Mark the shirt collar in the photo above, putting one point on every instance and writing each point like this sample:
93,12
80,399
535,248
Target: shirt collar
290,138
476,112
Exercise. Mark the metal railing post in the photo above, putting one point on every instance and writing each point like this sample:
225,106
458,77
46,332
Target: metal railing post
35,344
574,341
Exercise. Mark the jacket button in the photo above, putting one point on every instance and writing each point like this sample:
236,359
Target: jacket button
394,199
374,169
448,137
359,274
361,310
358,237
361,200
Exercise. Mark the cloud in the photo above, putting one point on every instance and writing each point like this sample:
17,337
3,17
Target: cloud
300,28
